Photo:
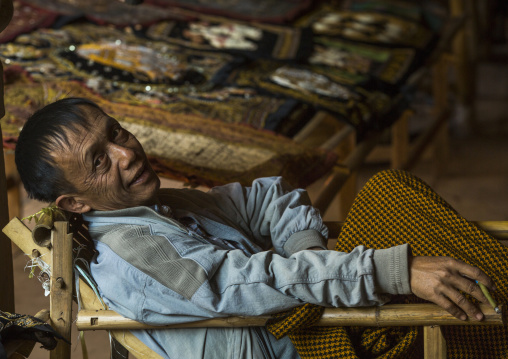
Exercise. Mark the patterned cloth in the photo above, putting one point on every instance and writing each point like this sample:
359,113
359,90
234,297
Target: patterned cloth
26,18
394,208
126,69
368,27
104,11
326,88
273,11
26,327
251,40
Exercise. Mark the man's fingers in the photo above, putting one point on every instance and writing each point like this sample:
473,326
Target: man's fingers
468,286
465,305
474,273
450,307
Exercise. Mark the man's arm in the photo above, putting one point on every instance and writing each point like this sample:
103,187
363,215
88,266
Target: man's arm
440,281
272,211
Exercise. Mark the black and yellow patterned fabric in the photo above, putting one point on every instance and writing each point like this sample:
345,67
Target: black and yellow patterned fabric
394,208
26,327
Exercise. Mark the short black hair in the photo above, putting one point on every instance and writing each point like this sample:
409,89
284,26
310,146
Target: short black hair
42,133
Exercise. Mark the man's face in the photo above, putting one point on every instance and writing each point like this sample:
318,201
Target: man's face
107,165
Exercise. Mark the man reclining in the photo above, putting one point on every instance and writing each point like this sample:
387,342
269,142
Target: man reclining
174,255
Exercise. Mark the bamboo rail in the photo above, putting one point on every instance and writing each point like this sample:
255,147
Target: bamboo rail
382,316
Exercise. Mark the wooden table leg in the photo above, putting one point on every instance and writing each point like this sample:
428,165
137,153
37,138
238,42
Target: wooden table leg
434,345
6,277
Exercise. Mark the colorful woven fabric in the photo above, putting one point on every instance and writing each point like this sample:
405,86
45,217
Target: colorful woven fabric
386,65
368,27
26,18
273,11
187,146
394,208
324,87
105,11
110,59
252,40
25,327
432,13
152,75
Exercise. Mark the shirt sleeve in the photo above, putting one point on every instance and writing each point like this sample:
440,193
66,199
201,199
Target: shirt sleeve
168,288
273,212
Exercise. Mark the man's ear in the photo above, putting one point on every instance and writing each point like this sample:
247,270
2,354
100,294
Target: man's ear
70,204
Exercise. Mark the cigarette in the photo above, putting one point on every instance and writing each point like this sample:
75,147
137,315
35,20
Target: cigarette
489,297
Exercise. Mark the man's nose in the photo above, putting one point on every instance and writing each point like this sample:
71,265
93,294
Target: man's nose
123,155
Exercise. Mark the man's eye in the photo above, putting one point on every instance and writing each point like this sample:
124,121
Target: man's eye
118,134
99,161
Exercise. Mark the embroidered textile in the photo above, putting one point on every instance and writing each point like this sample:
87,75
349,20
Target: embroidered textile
105,11
429,13
26,18
369,27
273,11
25,327
122,68
389,65
394,208
186,146
115,58
253,40
404,9
324,87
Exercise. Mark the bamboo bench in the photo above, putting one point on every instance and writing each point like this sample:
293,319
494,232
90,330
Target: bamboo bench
51,245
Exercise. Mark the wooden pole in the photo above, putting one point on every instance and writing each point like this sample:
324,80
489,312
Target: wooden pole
400,140
384,316
336,180
465,70
347,193
434,344
61,288
6,277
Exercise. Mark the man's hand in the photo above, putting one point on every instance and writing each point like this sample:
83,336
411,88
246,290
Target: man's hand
443,280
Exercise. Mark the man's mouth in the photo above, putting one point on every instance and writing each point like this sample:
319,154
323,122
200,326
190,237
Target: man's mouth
141,175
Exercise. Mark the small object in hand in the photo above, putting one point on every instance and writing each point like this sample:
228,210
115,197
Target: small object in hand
489,297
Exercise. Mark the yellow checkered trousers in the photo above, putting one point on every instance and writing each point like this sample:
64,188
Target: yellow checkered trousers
393,208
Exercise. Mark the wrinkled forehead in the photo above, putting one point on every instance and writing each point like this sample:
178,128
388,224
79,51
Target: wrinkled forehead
83,135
